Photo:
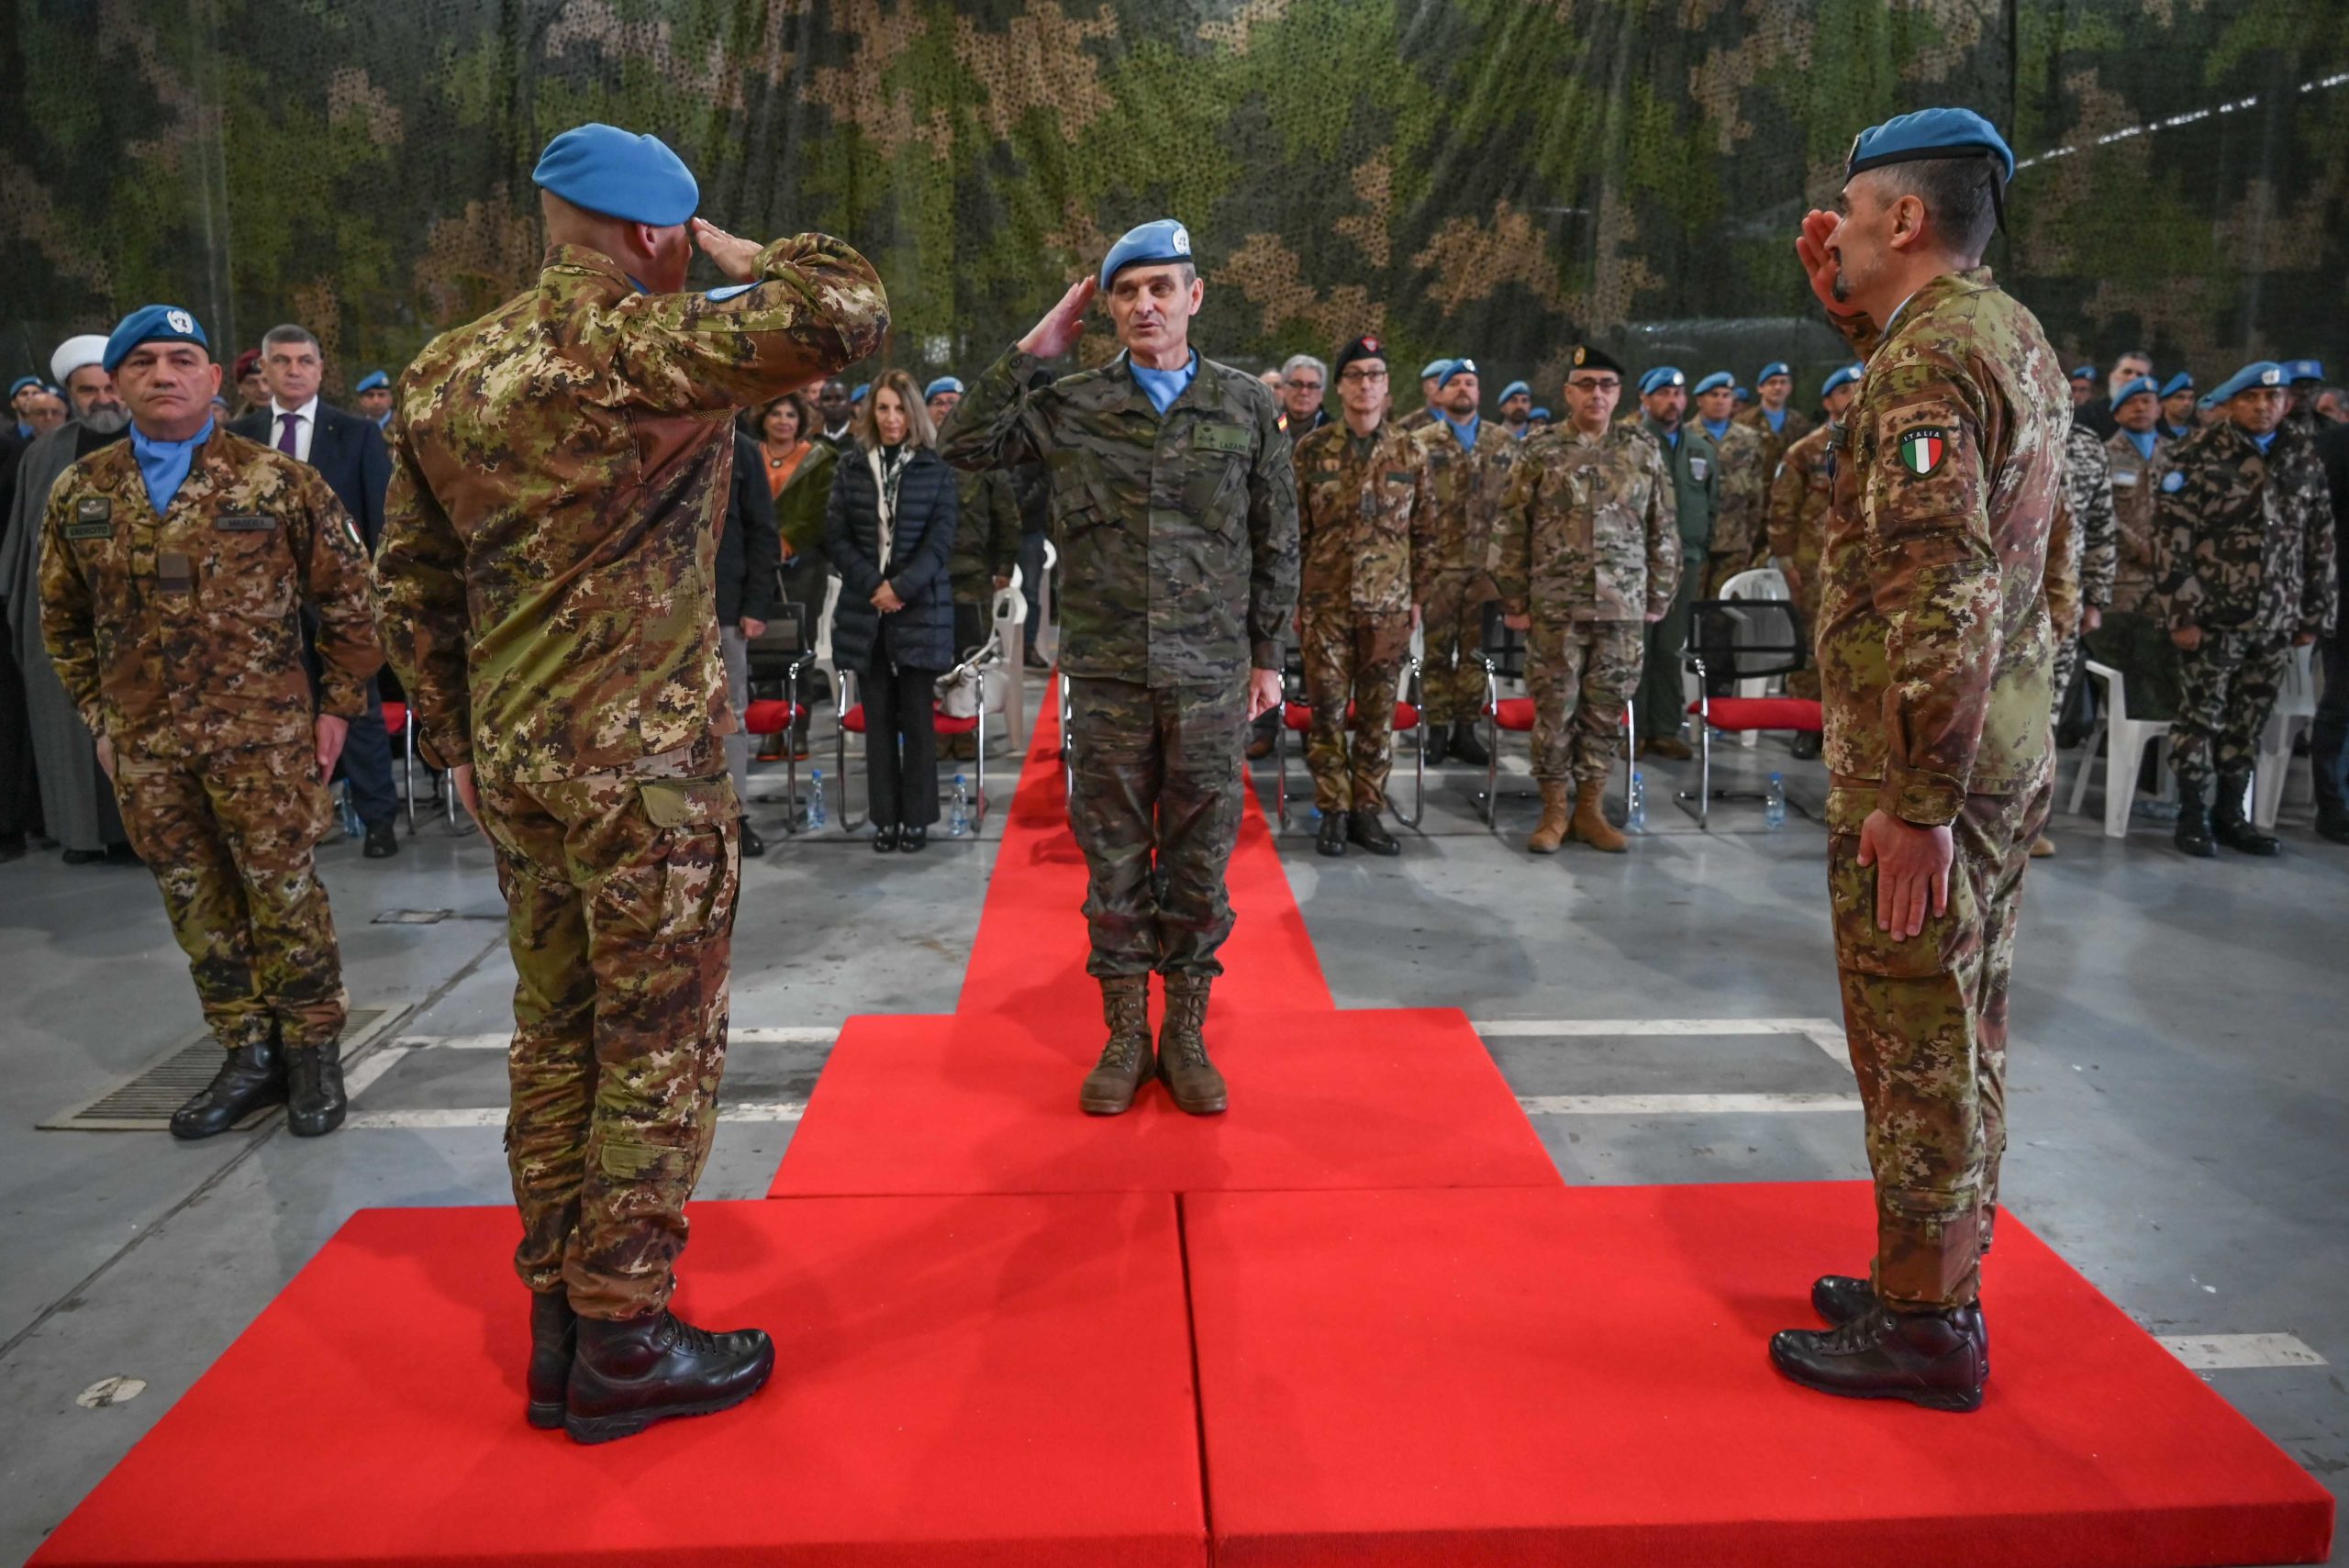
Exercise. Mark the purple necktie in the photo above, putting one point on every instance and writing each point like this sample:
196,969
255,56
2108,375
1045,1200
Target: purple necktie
286,441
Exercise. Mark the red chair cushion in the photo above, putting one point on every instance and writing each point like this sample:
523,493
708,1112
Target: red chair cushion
854,720
1298,715
395,718
771,716
1513,713
942,725
1802,715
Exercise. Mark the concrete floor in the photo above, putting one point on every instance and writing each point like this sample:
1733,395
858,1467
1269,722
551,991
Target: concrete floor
2179,1079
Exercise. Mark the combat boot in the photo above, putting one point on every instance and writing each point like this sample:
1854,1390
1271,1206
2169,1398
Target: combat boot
2230,827
315,1101
1437,744
1552,832
1466,747
1845,1298
1127,1060
554,1340
1330,838
2193,833
1191,1079
253,1076
1590,823
629,1373
1936,1358
1671,747
1364,828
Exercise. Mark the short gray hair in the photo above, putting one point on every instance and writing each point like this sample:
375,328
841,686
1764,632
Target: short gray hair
1295,360
290,333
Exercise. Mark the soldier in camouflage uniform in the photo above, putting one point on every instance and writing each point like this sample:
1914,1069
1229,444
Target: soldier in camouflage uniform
2088,494
545,598
1741,498
1365,516
1695,466
2245,518
1800,496
2131,634
1773,418
1586,554
1175,506
1468,460
1935,650
171,568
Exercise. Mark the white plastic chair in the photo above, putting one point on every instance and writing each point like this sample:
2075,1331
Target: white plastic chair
2125,739
1759,582
1010,619
2295,712
1048,636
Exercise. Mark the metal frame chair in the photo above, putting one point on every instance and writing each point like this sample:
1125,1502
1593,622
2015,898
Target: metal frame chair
1746,660
851,721
405,730
1519,721
1410,717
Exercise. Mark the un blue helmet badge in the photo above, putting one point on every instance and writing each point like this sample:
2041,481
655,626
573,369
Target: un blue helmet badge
2173,481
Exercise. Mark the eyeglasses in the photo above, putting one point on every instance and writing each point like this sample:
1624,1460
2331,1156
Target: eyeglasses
1363,375
1596,383
1302,384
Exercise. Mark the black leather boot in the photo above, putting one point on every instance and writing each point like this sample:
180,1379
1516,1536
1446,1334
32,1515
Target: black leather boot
315,1102
1332,839
1127,1060
1466,747
629,1373
1437,744
1937,1360
1364,828
554,1340
2332,825
2230,827
1845,1298
1191,1080
2193,835
253,1076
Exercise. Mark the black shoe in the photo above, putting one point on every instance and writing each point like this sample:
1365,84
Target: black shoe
630,1373
315,1102
382,841
911,839
2332,827
1332,840
1938,1359
85,856
1468,748
1439,744
1363,828
554,1340
2193,833
753,845
2230,827
253,1076
12,847
122,856
885,841
1840,1299
1806,746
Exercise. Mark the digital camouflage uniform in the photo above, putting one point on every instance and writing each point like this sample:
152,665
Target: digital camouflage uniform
1799,497
1934,654
1588,545
560,474
180,639
2248,540
1776,443
1695,466
1179,562
1468,489
987,546
2091,555
2134,638
1366,537
1741,506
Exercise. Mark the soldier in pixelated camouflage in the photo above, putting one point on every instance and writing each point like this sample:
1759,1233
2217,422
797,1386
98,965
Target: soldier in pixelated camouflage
1800,496
1469,460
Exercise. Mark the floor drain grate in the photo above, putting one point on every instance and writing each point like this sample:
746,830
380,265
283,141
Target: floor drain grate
145,1102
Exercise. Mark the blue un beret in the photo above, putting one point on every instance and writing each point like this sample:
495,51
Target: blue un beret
1515,389
1775,367
619,173
857,396
21,382
1742,394
1662,376
152,324
1434,369
2129,389
1843,377
943,384
1928,133
1713,383
1153,244
2182,382
2258,373
1452,368
2082,373
2303,369
373,381
1538,414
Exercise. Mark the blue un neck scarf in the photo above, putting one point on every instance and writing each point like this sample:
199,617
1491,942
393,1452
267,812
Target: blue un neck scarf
164,464
2264,443
1162,387
2143,440
1777,418
1716,430
1465,432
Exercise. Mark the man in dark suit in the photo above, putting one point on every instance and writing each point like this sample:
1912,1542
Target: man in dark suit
349,450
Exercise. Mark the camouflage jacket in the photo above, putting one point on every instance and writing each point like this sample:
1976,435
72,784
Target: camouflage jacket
1934,649
1775,443
2063,581
987,535
182,634
1366,520
1586,530
559,475
1468,489
1800,496
2248,535
1742,502
1177,532
2087,490
2136,484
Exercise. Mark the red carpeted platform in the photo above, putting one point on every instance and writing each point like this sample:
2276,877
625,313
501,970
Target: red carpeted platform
978,1381
1392,1380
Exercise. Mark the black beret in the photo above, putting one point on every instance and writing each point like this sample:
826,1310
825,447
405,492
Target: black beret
1360,348
1587,358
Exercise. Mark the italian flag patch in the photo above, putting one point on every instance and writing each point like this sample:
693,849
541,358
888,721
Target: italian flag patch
1921,450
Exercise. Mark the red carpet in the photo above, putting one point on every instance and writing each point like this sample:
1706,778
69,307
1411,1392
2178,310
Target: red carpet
1392,1380
996,1382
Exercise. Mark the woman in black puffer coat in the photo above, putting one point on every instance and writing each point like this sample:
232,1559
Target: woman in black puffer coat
888,531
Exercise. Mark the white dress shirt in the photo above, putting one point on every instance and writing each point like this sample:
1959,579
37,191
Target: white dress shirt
305,425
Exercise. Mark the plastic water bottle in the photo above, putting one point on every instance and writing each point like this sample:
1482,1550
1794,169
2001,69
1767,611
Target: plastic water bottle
1773,805
352,828
958,814
1635,817
815,814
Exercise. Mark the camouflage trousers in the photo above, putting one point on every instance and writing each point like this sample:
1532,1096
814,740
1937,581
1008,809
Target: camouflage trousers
1580,675
230,837
1804,683
1926,1017
1356,658
2061,672
2226,689
619,909
1156,811
1452,625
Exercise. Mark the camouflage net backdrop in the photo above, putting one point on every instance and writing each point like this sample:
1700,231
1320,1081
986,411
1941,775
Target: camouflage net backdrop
1494,177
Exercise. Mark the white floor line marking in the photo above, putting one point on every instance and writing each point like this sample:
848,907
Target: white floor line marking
1825,1033
495,1116
1682,1105
793,1034
357,1080
2233,1352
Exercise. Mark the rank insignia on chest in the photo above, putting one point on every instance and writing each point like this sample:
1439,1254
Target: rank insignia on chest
1698,468
1922,450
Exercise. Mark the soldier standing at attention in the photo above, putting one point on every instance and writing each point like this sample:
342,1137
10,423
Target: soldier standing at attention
2245,518
172,567
2178,407
1516,409
546,589
1175,503
1469,462
1779,425
1431,378
1744,485
1365,517
1586,550
2303,379
1799,497
2093,553
2130,636
1690,458
1933,652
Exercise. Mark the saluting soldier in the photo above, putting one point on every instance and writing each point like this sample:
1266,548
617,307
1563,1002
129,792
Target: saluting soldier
171,568
1774,417
1175,504
1934,652
1469,460
1800,496
1690,458
546,589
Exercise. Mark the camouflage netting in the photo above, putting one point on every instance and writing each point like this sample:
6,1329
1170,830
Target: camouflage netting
1485,176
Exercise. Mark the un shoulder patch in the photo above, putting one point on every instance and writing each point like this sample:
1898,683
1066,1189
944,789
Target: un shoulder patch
2173,481
1923,450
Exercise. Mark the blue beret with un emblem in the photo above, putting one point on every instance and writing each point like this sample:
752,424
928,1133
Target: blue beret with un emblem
2303,369
1515,389
21,382
1660,377
619,173
1159,243
1452,368
1775,367
943,384
2258,373
1928,133
152,324
373,381
2182,382
1714,383
1434,369
1844,377
2129,389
